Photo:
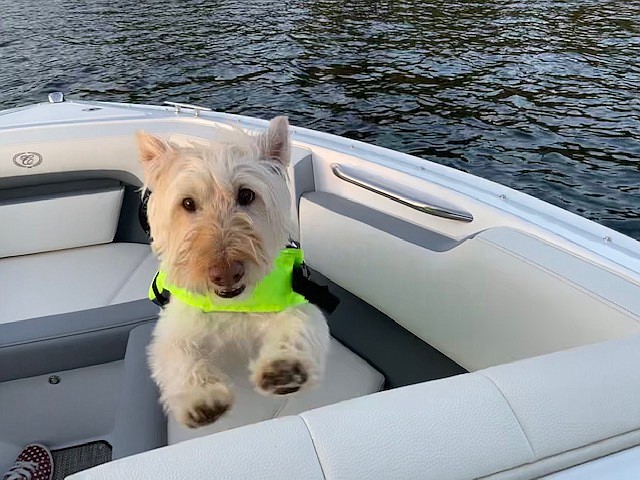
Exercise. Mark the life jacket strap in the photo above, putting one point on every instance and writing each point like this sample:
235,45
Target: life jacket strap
160,298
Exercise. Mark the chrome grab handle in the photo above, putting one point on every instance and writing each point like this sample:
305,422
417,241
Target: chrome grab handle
409,197
195,108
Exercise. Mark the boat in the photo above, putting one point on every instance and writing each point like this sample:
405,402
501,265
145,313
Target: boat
481,332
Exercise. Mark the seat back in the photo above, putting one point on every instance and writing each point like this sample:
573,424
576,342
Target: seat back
496,297
58,216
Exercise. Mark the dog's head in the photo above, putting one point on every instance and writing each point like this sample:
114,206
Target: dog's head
219,214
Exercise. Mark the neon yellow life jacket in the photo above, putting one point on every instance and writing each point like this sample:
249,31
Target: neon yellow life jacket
274,293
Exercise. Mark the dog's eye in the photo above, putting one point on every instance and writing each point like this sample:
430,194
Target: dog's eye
189,204
246,196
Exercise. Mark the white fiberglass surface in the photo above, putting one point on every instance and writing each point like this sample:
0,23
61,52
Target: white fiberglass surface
79,408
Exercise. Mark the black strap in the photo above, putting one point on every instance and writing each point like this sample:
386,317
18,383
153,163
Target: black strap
142,214
319,295
161,298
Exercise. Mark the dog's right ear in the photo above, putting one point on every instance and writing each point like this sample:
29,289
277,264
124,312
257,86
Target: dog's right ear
275,144
153,153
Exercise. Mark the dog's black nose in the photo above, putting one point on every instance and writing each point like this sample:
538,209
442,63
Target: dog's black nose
226,274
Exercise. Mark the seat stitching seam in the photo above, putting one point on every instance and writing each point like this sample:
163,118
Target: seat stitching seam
566,280
313,443
524,433
281,408
128,279
571,451
563,249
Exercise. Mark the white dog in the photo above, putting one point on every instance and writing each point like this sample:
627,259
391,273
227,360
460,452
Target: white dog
220,221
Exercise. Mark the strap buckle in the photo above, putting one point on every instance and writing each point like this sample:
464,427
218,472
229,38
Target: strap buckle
161,298
293,244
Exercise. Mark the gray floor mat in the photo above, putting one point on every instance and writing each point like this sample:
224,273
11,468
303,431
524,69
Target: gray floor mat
67,461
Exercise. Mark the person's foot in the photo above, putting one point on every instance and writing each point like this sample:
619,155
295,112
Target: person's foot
34,463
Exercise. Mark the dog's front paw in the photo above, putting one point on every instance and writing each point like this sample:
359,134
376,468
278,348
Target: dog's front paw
203,406
281,377
204,414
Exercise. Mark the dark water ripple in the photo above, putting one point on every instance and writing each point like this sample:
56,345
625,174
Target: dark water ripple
543,96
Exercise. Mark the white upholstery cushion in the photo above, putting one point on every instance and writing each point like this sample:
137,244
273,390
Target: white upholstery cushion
347,376
65,221
455,428
490,422
557,403
281,449
497,297
573,398
75,279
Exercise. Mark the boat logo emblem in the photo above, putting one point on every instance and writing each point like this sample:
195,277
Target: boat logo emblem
27,159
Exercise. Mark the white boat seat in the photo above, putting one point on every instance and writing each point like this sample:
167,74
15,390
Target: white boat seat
74,279
515,421
71,280
347,376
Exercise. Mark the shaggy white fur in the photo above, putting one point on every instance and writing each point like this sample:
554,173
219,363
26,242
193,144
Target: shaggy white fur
213,237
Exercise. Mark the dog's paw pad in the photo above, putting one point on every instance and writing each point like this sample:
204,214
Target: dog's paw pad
203,414
283,377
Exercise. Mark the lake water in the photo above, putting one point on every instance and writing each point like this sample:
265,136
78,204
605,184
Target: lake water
543,96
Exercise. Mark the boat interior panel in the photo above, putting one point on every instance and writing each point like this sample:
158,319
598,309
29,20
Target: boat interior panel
424,300
477,302
36,346
403,358
113,400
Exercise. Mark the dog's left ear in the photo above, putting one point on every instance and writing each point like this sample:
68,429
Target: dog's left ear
275,144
